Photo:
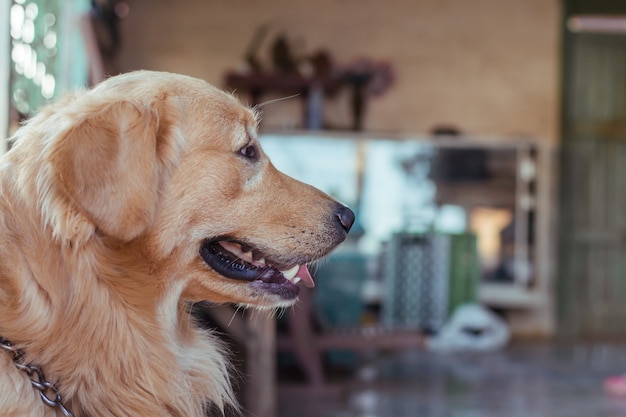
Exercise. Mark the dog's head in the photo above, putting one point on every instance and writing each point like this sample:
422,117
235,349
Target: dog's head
173,164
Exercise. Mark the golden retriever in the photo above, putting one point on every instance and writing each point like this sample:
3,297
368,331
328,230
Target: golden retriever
119,207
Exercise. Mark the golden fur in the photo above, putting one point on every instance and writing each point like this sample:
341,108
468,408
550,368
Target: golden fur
105,199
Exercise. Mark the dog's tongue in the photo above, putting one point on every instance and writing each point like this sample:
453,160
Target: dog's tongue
305,276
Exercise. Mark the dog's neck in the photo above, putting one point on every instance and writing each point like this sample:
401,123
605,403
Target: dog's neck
113,349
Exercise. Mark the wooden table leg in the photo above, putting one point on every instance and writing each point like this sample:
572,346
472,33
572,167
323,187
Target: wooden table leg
260,386
304,343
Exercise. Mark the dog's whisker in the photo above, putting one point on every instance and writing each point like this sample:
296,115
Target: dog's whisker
276,100
235,312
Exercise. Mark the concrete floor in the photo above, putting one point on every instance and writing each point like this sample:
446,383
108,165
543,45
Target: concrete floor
521,381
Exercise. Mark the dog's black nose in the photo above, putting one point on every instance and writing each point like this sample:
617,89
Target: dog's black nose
345,216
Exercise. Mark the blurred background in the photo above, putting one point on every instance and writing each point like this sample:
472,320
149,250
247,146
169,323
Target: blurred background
482,146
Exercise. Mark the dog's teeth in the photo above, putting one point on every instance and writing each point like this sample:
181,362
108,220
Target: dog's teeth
261,261
296,280
231,247
291,273
237,249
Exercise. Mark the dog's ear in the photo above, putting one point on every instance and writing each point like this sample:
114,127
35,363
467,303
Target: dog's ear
107,165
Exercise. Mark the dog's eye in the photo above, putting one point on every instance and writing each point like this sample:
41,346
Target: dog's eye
250,152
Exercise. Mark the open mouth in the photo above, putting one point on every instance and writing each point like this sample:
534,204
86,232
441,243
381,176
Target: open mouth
241,262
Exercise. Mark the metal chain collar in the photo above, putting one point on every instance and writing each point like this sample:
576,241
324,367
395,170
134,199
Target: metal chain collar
47,391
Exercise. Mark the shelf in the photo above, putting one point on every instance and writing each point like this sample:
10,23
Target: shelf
508,296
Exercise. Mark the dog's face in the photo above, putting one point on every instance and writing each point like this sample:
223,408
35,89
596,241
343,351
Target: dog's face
175,165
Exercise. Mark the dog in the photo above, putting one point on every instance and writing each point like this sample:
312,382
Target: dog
120,207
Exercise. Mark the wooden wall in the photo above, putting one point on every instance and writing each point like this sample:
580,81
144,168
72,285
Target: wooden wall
489,67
